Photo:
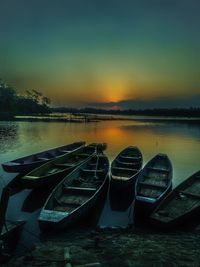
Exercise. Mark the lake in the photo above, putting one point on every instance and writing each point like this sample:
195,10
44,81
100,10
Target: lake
180,141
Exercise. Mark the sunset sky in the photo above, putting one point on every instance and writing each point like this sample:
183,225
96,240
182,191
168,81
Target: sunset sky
103,52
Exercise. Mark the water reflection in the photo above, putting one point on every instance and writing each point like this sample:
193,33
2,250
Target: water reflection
8,136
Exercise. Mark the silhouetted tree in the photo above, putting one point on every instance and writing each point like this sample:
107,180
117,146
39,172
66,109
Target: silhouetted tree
32,102
7,98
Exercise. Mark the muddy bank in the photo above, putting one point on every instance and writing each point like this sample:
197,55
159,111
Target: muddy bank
115,248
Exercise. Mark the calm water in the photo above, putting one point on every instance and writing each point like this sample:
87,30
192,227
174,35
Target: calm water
180,141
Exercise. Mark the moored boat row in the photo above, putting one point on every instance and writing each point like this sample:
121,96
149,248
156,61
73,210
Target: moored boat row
84,173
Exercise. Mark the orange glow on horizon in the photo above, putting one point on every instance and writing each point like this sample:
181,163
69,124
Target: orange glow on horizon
114,91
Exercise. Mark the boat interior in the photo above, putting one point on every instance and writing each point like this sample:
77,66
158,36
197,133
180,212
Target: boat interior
46,155
77,189
123,173
58,165
182,200
129,158
127,164
155,179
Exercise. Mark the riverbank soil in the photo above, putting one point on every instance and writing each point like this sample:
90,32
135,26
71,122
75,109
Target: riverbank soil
113,248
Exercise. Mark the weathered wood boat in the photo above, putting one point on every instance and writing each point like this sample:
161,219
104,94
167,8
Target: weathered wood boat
181,206
53,171
153,184
28,163
9,238
125,168
76,195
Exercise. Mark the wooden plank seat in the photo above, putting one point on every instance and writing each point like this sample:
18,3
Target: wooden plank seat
189,194
15,163
126,163
31,177
42,158
151,185
124,169
129,157
116,177
158,169
67,189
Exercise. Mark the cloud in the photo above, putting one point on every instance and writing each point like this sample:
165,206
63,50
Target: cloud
163,102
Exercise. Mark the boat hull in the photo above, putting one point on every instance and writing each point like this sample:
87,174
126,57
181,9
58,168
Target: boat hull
181,207
52,172
76,216
76,195
143,207
28,163
154,183
46,180
125,168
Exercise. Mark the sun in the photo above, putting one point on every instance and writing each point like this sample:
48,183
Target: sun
115,91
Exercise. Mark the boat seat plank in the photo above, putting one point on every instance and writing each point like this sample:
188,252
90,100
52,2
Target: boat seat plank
158,169
30,177
124,178
41,158
146,184
14,163
126,163
189,194
124,169
79,188
129,157
64,151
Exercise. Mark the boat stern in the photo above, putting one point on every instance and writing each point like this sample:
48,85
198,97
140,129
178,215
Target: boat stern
51,218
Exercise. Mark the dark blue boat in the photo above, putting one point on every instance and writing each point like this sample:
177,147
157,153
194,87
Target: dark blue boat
28,163
153,184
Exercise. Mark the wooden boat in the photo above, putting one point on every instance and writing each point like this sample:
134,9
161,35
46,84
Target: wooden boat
125,168
153,184
53,171
76,195
9,237
28,163
181,206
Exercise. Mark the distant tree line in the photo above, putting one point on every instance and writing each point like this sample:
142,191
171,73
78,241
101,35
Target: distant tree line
32,102
172,112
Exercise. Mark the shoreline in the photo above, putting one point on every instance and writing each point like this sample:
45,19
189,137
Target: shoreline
125,248
89,120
